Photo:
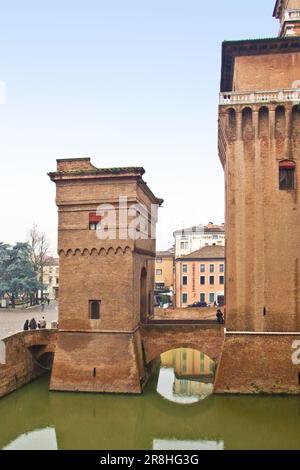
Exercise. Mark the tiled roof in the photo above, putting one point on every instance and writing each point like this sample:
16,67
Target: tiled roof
207,252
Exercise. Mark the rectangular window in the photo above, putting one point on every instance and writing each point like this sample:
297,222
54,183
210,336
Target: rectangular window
287,175
212,268
211,298
184,281
202,280
94,309
159,272
159,260
184,245
222,268
184,298
94,220
222,280
202,297
202,268
212,280
184,268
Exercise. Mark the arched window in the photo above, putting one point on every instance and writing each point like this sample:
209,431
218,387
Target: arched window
287,171
95,309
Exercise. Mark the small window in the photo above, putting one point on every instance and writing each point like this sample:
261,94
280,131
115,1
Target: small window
202,268
184,281
94,220
212,280
221,268
212,298
202,280
95,309
222,280
202,297
159,260
212,268
184,268
287,175
159,272
184,298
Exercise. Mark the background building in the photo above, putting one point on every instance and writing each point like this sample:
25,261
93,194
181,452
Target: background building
194,238
164,269
51,278
200,276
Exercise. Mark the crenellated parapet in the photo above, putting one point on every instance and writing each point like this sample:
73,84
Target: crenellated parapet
256,121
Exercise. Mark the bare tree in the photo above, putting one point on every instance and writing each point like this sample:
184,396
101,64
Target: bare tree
39,251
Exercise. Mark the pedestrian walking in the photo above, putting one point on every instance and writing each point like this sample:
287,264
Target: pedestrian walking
26,325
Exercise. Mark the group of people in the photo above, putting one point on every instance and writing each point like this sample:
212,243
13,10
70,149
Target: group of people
33,325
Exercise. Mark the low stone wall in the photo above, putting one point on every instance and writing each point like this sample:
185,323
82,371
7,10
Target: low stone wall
259,363
18,365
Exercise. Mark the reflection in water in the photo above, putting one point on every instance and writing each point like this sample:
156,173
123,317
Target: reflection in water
163,444
43,439
186,376
100,422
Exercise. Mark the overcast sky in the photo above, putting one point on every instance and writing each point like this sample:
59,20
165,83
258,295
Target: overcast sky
125,82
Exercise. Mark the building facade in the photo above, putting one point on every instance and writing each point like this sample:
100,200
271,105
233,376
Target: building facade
194,238
51,279
259,147
164,269
200,277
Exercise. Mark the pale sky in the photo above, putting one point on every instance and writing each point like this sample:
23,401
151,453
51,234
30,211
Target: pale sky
125,82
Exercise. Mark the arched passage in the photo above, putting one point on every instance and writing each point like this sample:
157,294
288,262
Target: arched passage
186,376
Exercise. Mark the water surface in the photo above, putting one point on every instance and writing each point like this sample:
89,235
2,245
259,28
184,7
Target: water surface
34,418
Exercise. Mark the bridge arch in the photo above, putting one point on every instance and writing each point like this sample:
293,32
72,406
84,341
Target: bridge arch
158,339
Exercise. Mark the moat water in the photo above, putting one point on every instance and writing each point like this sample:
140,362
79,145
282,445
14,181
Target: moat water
177,411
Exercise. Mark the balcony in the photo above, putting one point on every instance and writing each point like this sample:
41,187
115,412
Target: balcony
260,97
291,15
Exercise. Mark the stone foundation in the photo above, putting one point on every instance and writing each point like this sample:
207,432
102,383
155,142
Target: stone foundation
98,362
259,363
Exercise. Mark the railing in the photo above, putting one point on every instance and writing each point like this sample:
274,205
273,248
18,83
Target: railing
253,97
291,15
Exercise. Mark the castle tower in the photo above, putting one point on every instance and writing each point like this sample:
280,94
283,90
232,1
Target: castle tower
288,13
259,147
106,251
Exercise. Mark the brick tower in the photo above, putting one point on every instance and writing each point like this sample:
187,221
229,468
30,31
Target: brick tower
259,147
106,283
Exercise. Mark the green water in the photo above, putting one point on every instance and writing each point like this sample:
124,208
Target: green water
34,418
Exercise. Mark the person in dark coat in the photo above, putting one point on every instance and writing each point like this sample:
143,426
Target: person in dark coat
26,325
220,317
32,324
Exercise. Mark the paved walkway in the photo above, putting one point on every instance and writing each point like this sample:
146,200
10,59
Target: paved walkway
12,320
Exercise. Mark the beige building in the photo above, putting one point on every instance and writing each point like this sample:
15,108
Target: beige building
51,279
200,277
164,269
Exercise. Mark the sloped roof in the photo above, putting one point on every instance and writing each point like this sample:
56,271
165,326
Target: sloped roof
207,252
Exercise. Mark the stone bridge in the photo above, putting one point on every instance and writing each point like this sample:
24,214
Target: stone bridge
21,354
158,338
